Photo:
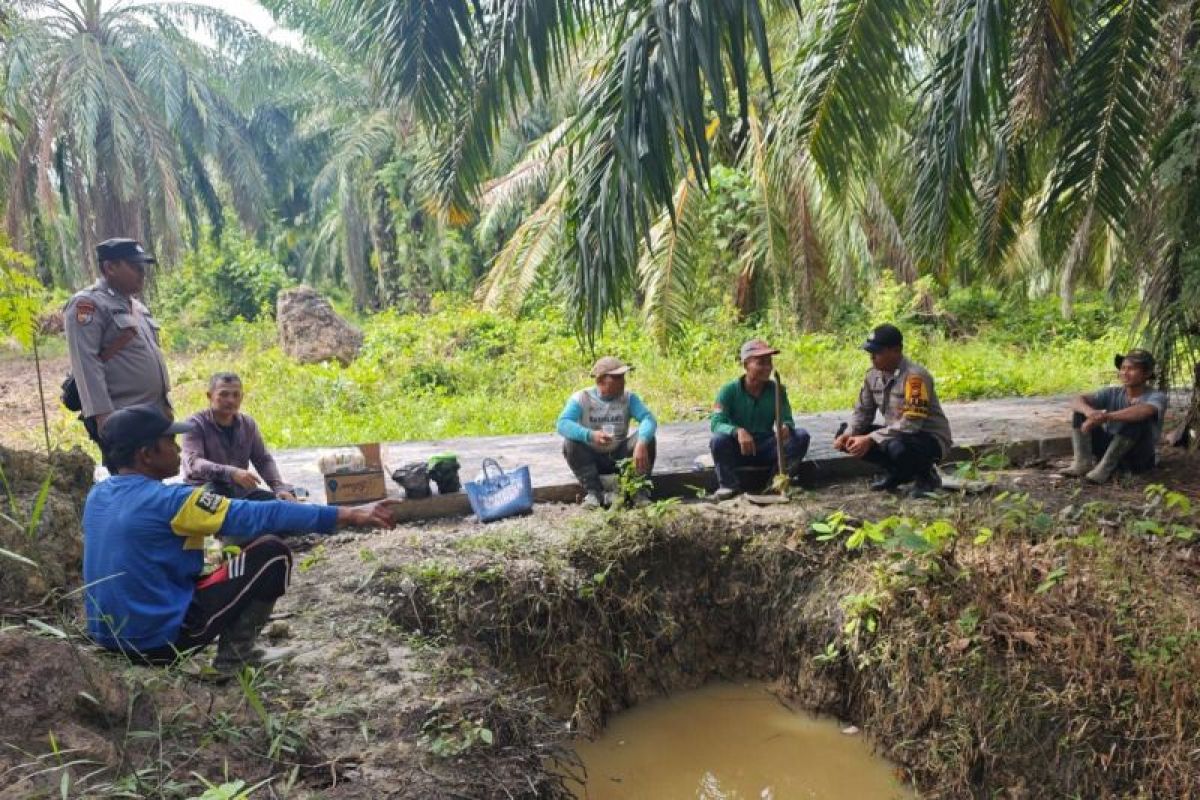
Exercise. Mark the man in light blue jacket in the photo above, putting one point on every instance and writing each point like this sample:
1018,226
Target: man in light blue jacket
595,429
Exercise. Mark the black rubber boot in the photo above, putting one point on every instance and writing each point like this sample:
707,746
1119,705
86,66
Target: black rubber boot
1081,449
238,644
926,483
887,483
1117,448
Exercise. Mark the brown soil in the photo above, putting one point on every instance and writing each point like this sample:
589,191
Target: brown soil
41,523
20,410
415,641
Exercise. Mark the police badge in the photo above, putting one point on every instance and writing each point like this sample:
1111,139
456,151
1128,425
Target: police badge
84,311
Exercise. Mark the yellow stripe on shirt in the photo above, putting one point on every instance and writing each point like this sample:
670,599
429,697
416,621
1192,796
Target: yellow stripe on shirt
201,515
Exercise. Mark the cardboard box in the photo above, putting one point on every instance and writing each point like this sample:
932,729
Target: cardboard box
359,486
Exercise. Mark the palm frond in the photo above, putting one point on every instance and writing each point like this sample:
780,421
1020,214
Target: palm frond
851,77
524,256
503,196
807,245
885,239
1044,46
668,266
964,98
786,246
1000,212
643,124
355,148
1081,253
230,35
417,48
1106,133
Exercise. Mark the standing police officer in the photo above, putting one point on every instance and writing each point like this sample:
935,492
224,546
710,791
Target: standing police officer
113,342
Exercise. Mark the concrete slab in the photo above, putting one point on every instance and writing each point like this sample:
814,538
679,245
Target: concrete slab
1029,427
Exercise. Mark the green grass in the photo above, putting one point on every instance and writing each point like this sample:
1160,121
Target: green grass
465,372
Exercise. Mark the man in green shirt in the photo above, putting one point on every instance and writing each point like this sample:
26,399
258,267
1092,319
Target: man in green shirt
743,422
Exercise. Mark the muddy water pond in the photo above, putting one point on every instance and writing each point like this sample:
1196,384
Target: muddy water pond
731,741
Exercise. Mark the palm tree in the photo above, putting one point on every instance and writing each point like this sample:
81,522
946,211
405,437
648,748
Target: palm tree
643,123
365,198
1028,127
124,126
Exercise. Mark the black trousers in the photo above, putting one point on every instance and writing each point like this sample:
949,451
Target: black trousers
226,490
588,464
259,573
905,456
93,432
1140,458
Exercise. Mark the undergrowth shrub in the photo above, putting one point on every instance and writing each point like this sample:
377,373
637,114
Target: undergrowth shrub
462,371
214,286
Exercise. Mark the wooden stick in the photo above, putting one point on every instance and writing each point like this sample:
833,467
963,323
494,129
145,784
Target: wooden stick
779,422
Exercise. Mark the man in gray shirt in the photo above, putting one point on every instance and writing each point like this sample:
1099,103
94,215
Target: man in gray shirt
1119,425
112,340
915,434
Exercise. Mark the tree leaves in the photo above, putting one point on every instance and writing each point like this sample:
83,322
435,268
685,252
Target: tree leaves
1106,137
852,76
21,295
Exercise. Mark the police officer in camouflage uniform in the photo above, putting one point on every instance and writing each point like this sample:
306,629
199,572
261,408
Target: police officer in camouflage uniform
915,434
116,358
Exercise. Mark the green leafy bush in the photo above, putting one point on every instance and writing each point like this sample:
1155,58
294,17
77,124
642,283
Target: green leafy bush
214,285
461,371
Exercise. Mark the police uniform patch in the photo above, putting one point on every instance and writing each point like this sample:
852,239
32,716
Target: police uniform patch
916,398
84,311
209,501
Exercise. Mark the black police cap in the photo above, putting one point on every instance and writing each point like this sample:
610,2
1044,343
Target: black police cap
882,337
123,250
138,426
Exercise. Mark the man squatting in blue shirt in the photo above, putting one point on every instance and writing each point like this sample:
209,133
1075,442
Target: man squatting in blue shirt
595,429
143,550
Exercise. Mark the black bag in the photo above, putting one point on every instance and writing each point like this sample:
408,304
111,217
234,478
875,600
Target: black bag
70,394
413,477
443,470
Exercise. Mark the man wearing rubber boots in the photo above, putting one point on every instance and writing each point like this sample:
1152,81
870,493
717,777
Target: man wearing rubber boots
143,551
1119,425
743,422
915,434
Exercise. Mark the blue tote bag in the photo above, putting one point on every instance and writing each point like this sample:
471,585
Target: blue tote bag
500,494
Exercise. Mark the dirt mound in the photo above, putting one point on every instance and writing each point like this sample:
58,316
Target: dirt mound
41,529
56,695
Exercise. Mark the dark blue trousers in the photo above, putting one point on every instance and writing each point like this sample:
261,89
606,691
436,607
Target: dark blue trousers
728,456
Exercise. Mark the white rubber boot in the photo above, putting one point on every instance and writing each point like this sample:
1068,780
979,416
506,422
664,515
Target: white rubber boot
1081,446
1117,448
